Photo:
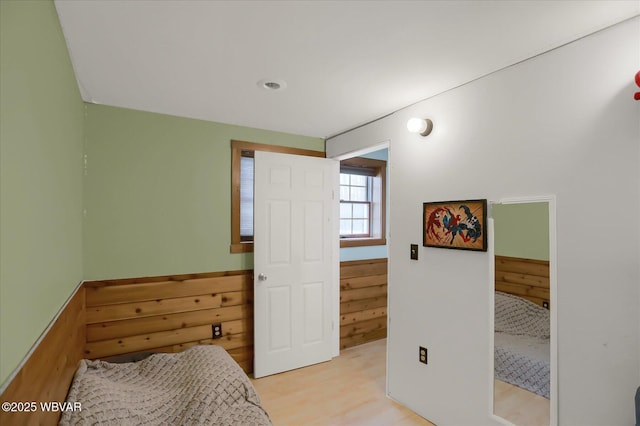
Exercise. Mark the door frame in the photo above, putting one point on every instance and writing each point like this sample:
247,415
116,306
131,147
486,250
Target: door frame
386,144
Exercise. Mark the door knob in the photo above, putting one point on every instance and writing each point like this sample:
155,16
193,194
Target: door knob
262,277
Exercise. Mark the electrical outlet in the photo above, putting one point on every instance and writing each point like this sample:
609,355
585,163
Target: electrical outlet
414,252
216,331
423,355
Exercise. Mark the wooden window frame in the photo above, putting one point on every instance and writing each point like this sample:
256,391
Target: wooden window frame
380,167
237,147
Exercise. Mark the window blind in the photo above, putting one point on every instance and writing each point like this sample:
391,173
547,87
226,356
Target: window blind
246,197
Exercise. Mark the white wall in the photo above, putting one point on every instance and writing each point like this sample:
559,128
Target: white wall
562,123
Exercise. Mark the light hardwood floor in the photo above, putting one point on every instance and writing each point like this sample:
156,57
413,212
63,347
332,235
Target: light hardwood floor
519,406
348,390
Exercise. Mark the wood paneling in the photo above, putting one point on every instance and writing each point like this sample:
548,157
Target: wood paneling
101,314
101,293
363,293
362,268
363,301
526,278
136,326
367,314
47,374
170,314
363,305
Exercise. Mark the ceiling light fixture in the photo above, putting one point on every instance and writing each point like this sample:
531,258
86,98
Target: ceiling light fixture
420,125
271,84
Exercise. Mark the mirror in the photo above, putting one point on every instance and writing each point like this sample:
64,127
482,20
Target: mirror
523,309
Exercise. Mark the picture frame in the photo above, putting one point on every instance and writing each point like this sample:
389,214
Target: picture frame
459,225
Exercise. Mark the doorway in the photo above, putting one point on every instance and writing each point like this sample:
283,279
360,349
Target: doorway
363,260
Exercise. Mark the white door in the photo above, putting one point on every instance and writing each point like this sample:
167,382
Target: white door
296,265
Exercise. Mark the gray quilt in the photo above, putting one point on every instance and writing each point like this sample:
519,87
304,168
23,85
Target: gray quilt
200,386
521,344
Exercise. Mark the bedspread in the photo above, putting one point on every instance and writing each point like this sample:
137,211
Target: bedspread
521,344
523,361
200,386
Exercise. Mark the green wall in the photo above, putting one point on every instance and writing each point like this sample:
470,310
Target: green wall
41,131
158,193
521,230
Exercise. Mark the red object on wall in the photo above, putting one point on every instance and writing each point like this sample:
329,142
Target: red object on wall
636,95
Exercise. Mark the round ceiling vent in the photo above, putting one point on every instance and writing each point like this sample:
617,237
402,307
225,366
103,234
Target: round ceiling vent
271,84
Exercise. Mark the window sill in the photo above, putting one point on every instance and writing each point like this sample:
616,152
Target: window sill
242,247
347,242
361,242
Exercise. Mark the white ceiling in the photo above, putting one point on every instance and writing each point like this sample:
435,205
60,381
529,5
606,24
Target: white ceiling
345,62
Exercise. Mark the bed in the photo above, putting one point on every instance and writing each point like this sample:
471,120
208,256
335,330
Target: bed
521,343
199,386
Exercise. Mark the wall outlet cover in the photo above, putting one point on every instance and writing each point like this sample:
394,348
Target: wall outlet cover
422,355
216,331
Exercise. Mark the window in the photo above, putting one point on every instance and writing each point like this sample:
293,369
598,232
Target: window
242,154
355,206
362,202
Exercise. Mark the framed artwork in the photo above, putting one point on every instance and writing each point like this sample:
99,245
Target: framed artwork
455,224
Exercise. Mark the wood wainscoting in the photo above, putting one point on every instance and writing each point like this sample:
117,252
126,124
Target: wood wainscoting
170,314
363,301
526,278
48,372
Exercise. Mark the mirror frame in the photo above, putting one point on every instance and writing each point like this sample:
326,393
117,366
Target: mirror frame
553,296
